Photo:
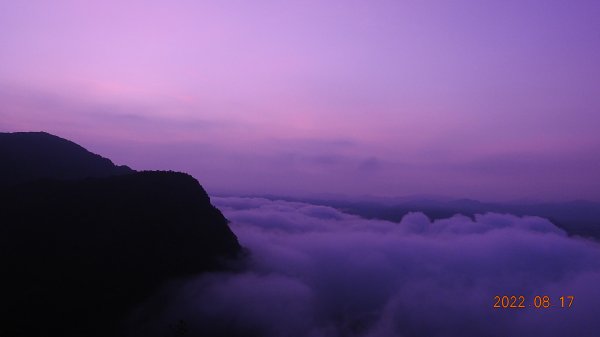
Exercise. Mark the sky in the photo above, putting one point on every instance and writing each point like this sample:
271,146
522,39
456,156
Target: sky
493,100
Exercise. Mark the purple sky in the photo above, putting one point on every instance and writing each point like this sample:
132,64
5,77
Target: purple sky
483,99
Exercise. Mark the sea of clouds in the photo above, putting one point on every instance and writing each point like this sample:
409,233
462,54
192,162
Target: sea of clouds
316,271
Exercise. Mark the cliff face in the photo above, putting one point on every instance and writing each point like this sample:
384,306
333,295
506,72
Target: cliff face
77,255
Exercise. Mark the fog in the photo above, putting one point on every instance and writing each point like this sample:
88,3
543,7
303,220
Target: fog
316,271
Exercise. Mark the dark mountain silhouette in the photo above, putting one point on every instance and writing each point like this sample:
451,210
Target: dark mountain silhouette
28,156
78,255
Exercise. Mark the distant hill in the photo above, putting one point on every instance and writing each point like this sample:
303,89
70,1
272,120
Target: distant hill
579,217
77,255
30,156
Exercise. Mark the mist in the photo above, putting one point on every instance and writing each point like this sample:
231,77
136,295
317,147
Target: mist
316,271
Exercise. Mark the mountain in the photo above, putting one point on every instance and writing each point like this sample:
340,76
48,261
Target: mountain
78,255
29,156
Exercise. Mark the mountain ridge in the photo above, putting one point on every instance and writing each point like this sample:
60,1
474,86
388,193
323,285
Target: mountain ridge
36,155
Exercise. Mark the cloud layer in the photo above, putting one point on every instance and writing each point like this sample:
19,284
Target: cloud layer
315,271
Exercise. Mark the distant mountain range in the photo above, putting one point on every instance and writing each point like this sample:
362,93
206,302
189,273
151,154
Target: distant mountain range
83,241
578,217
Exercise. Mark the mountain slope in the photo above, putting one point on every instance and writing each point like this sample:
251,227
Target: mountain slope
29,156
78,255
